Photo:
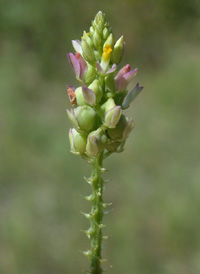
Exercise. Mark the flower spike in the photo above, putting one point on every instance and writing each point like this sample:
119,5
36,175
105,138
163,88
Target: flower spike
99,126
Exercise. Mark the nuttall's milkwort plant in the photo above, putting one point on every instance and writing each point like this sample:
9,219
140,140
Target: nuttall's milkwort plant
99,126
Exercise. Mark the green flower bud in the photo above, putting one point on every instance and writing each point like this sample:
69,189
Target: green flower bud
90,74
86,118
105,33
91,31
96,142
117,51
77,46
87,38
89,96
99,30
100,19
97,40
77,141
96,87
112,117
85,96
122,129
79,97
91,147
88,52
109,41
72,118
109,104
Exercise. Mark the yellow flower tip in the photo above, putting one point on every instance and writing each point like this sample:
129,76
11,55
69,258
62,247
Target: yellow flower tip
88,34
106,53
107,48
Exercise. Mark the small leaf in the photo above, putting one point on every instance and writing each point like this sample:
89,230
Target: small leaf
87,215
88,180
102,226
106,204
88,198
103,169
86,253
105,237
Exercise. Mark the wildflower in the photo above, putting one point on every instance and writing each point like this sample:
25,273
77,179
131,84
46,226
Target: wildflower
124,77
78,64
99,126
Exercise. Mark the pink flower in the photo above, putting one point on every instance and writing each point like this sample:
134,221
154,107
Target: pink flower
78,64
124,77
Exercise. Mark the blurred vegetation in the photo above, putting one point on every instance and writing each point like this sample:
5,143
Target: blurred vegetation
155,186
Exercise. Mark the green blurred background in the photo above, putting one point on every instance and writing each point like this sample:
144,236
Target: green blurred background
155,187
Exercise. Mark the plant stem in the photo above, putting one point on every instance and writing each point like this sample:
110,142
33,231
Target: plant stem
96,216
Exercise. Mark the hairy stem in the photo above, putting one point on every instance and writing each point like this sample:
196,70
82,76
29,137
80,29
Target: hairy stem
96,216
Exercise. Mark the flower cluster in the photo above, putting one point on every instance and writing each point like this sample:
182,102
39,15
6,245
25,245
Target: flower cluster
96,116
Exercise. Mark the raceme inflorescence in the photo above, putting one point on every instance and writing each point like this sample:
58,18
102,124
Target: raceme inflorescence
99,126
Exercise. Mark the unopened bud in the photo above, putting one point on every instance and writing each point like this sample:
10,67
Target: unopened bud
96,142
84,96
97,89
87,38
86,117
109,104
118,51
88,53
122,129
91,31
97,40
109,41
79,97
105,33
91,147
112,117
72,118
77,46
90,74
77,141
89,96
100,19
